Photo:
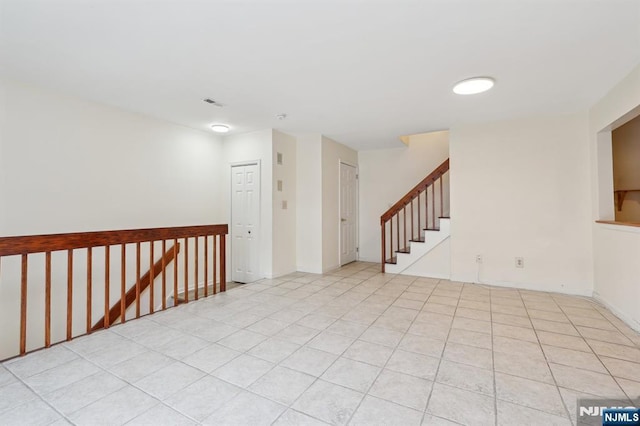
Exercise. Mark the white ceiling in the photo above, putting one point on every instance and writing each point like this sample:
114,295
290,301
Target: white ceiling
360,72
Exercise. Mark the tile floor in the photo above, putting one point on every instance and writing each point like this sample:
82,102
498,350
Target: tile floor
350,347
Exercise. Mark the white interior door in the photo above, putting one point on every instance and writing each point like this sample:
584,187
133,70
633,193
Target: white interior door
245,216
348,214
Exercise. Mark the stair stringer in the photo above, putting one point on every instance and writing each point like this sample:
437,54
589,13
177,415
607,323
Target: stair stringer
433,239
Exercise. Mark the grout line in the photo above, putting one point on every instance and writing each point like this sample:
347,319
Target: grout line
493,363
600,360
553,377
380,281
435,376
395,348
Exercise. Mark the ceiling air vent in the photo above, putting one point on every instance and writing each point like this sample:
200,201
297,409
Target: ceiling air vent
212,102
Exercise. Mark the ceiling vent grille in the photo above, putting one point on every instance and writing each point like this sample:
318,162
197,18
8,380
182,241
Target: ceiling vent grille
212,102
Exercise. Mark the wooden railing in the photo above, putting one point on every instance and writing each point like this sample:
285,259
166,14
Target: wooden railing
208,243
424,202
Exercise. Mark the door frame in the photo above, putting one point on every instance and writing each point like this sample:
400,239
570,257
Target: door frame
357,213
258,237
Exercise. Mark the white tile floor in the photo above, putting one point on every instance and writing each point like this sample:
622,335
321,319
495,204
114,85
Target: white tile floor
351,347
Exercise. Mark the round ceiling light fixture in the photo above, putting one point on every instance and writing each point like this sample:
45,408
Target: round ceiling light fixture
474,85
220,128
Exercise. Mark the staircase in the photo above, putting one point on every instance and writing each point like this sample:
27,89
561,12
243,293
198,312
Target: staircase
417,224
418,248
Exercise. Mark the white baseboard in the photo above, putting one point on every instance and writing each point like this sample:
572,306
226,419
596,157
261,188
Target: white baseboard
330,269
309,270
368,259
617,312
549,288
282,274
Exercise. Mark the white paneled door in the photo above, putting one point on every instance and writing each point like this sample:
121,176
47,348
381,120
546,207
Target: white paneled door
245,217
348,214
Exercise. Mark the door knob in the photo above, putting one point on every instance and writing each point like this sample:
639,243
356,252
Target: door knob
249,231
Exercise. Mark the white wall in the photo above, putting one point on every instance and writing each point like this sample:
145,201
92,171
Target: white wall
386,175
332,154
435,264
3,181
284,219
521,188
74,165
309,203
69,165
250,147
616,247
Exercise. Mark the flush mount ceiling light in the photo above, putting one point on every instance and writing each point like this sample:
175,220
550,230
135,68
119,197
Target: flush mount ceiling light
220,128
474,85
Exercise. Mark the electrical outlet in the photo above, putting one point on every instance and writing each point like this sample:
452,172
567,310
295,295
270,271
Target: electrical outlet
519,262
478,258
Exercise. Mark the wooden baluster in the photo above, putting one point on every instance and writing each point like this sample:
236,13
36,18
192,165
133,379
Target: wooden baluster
390,238
107,285
215,263
433,206
23,306
89,289
186,270
383,244
164,275
223,263
404,226
69,294
47,299
441,199
151,277
206,265
195,275
123,283
175,272
137,280
398,229
426,208
419,222
412,226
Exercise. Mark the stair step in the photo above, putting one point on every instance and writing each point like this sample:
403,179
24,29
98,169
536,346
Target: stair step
431,229
393,260
418,240
405,250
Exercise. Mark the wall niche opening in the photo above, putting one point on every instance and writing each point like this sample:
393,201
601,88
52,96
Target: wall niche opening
625,144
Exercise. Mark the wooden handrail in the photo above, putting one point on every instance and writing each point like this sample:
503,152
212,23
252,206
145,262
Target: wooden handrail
412,199
20,248
118,308
54,242
419,188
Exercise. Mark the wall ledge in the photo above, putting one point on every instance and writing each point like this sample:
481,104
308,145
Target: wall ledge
612,225
613,222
